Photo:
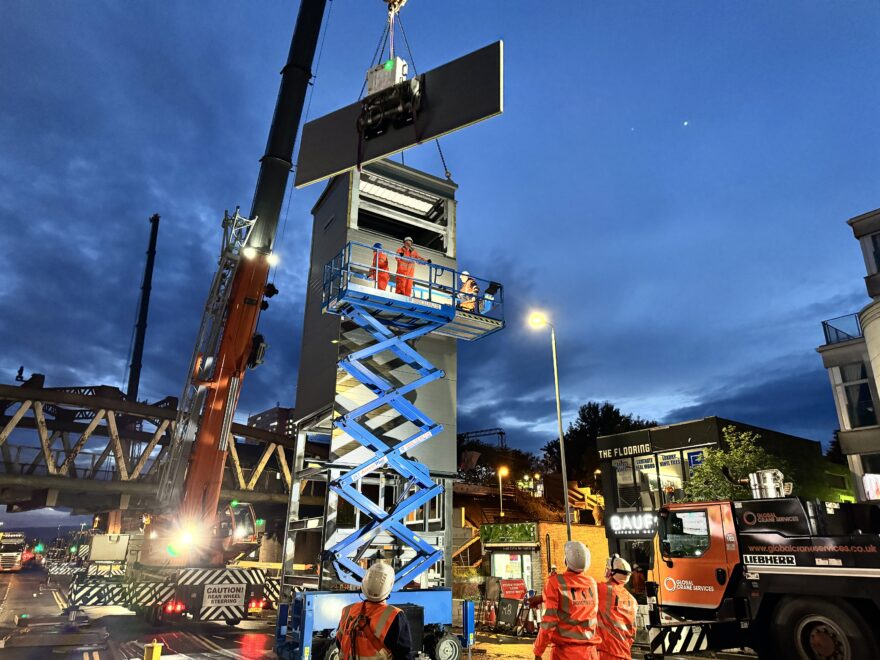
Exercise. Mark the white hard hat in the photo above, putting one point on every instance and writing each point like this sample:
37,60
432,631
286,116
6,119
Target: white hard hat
408,238
577,556
618,568
377,582
464,275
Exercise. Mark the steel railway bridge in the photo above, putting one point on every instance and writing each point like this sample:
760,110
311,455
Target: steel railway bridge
90,449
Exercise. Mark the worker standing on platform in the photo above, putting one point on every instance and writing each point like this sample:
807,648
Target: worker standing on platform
372,628
406,268
469,293
379,271
571,603
617,611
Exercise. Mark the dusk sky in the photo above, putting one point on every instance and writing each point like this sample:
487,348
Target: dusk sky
670,182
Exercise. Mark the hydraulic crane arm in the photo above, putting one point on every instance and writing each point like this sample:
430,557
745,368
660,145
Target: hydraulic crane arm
227,339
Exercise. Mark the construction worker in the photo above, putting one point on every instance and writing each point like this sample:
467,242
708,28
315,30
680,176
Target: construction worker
571,603
617,611
372,629
469,293
406,268
379,271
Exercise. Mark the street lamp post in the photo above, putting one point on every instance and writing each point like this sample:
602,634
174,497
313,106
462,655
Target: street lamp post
539,320
502,472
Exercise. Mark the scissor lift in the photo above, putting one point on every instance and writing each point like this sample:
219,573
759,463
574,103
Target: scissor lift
393,321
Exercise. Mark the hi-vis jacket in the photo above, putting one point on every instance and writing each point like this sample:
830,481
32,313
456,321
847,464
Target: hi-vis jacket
362,631
570,618
617,621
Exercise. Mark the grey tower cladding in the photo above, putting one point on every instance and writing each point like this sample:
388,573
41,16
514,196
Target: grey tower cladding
384,203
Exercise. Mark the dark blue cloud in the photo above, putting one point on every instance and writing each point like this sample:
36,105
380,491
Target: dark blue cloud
795,400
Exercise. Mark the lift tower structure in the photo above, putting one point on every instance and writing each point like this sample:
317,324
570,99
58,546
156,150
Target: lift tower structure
377,379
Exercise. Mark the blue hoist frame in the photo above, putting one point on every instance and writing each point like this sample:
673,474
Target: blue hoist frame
393,320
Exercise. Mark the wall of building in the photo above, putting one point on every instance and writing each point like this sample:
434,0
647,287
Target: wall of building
591,536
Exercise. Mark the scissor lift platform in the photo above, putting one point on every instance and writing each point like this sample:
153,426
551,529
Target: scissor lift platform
436,297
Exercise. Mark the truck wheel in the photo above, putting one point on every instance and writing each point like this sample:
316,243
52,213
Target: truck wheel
447,648
232,622
822,629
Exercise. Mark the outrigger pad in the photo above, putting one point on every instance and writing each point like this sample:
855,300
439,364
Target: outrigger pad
453,96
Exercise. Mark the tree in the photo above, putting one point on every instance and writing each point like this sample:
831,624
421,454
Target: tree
486,459
740,454
835,453
581,451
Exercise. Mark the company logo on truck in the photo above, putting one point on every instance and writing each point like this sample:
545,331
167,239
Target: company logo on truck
770,560
752,518
671,584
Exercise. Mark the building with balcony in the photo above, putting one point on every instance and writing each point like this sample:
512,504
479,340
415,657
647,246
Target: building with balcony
851,354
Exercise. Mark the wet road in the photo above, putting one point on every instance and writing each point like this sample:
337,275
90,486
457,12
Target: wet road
111,633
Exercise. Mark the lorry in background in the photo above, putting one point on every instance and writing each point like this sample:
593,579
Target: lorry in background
785,576
15,554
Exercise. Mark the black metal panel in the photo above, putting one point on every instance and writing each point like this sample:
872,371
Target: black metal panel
455,95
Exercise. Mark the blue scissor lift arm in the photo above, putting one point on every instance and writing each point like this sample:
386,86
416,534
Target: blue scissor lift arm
393,321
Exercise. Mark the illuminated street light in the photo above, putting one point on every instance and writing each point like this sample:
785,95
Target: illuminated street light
502,472
539,320
248,252
273,259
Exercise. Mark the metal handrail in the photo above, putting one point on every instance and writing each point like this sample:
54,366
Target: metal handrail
443,284
835,334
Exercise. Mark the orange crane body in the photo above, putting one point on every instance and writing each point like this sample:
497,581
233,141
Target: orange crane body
201,496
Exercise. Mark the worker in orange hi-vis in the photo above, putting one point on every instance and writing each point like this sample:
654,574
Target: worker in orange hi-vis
617,611
406,268
571,600
379,271
372,629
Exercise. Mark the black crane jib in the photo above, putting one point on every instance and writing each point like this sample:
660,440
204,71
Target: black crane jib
275,165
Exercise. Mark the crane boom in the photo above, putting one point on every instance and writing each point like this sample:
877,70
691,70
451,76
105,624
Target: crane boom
227,338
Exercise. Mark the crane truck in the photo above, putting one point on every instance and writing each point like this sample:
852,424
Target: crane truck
788,577
181,567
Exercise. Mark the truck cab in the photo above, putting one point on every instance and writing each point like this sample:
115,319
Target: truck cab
14,553
785,576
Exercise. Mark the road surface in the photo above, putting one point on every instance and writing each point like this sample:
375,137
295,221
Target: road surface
113,633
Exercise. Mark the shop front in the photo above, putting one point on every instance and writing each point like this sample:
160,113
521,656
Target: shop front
641,471
512,550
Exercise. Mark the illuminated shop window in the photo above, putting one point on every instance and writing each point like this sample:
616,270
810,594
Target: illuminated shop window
669,467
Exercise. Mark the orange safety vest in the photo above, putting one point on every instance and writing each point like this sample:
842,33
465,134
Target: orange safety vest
379,271
405,267
362,630
617,621
569,622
